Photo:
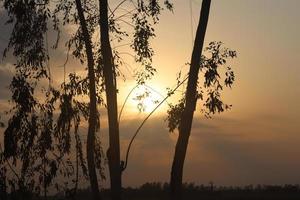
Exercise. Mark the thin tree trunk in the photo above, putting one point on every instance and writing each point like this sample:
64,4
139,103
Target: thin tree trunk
93,108
190,105
112,106
44,174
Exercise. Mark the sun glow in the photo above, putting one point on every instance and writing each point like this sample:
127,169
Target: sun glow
145,98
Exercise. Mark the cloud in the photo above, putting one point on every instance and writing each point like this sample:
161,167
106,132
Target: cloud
6,75
242,152
219,150
5,30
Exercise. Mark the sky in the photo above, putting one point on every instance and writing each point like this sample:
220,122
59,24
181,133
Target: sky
257,141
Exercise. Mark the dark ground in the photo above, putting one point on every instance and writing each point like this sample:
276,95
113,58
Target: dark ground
157,191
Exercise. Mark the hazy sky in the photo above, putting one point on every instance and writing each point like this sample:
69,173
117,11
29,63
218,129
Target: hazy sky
258,141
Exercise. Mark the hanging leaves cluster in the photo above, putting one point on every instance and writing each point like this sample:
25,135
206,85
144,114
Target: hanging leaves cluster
38,145
212,64
144,19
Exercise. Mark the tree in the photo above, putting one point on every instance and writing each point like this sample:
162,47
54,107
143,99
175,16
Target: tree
26,138
143,32
102,62
181,115
32,139
92,105
109,73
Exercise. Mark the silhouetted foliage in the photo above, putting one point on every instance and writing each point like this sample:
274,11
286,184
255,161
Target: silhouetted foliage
181,115
35,146
209,92
35,139
28,136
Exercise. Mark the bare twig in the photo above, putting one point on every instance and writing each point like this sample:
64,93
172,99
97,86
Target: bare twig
148,116
113,11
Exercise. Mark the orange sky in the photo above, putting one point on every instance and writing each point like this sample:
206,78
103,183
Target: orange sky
258,140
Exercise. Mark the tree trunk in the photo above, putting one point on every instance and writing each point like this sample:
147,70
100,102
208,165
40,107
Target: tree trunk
190,105
112,106
93,108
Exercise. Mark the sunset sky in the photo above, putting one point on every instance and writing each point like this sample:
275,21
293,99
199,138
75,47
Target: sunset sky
258,141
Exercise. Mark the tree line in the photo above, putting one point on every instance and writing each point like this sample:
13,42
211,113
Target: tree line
160,191
44,126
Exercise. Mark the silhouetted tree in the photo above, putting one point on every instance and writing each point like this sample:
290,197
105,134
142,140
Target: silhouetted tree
109,60
181,115
28,135
143,33
93,107
109,73
28,40
32,139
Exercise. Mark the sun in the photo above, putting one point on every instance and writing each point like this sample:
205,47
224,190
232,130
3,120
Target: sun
145,98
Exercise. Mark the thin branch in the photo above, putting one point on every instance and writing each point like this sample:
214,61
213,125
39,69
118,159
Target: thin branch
113,11
121,45
48,61
126,53
144,121
128,67
136,7
125,22
125,101
125,14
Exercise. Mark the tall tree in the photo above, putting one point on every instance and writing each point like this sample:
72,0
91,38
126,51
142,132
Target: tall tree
92,121
181,115
142,34
109,74
190,105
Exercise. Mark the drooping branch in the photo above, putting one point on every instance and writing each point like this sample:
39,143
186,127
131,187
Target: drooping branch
146,118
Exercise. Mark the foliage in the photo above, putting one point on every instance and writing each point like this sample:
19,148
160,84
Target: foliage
36,147
29,21
28,140
174,115
36,141
209,92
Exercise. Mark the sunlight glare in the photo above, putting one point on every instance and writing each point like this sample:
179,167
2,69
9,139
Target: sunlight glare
145,98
